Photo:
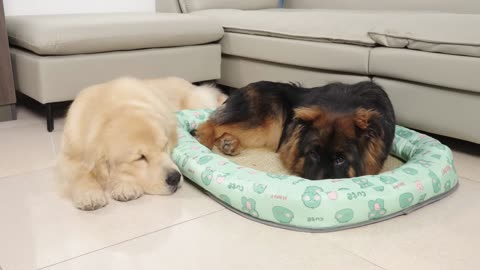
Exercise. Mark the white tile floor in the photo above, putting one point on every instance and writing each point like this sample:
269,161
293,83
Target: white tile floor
41,230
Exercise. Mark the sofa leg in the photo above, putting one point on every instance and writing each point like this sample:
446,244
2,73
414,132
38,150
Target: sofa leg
49,114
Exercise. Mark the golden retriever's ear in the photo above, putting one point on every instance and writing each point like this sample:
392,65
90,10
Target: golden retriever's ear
102,168
98,165
172,139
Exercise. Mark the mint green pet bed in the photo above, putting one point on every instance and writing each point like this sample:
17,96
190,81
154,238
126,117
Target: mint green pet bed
326,205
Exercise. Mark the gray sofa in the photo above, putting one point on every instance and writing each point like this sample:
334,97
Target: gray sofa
55,56
426,58
426,54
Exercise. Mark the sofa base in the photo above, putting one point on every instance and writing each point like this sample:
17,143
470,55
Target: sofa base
50,79
239,71
53,79
418,106
7,112
443,111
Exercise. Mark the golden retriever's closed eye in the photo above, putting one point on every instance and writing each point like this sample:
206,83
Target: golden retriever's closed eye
118,137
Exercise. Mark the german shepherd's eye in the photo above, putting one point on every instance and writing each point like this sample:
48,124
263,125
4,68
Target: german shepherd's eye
313,154
142,158
339,160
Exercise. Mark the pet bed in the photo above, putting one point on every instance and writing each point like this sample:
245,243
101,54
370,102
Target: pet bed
282,200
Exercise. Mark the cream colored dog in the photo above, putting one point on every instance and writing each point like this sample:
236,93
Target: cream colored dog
118,137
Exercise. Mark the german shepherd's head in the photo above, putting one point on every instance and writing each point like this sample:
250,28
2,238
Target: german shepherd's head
321,144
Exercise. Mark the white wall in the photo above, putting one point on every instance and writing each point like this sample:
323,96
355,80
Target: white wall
35,7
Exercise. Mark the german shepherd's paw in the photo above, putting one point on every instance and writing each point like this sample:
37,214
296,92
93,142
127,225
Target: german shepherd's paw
229,145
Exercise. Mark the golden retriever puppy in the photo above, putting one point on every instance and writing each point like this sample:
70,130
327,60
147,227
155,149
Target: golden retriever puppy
118,137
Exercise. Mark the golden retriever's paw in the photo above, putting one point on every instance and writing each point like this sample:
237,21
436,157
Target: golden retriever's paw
126,191
90,200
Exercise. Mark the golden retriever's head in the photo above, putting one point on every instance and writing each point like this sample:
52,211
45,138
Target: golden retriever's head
137,149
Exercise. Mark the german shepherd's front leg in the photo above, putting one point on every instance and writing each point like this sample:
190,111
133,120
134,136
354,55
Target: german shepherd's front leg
210,134
251,117
232,138
228,144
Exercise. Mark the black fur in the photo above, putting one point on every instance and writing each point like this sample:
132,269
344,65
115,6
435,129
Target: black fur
257,102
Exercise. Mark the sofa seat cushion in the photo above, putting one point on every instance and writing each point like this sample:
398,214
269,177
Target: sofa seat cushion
447,33
420,30
308,25
301,53
453,71
94,33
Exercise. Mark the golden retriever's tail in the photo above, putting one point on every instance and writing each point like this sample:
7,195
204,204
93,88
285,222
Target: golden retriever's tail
205,96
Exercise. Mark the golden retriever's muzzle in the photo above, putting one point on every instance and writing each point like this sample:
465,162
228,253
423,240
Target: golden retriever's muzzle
173,180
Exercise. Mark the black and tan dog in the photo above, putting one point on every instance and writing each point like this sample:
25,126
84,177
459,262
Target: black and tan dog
334,131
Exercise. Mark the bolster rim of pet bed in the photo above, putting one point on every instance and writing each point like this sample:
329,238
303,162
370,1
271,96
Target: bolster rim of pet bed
295,203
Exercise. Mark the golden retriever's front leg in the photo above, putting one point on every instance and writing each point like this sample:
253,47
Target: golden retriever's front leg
87,194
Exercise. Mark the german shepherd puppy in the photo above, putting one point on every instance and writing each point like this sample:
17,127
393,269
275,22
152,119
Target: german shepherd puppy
334,131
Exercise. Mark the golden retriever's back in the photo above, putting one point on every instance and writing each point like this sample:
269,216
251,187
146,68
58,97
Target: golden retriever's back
98,104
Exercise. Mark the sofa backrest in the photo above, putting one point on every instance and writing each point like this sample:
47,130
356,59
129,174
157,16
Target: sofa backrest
194,5
457,6
171,6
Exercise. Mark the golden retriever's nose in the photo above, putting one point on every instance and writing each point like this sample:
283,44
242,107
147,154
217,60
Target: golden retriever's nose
173,178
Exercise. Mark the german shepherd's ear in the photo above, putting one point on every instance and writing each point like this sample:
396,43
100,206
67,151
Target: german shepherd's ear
309,114
368,122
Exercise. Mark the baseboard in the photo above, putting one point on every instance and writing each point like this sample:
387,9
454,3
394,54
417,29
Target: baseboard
8,112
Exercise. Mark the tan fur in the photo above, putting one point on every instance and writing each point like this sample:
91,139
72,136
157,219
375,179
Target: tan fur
351,172
363,116
374,148
289,154
372,155
309,114
111,126
344,123
267,135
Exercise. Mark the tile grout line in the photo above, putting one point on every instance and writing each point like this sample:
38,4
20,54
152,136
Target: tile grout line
354,254
469,179
24,123
28,172
136,237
